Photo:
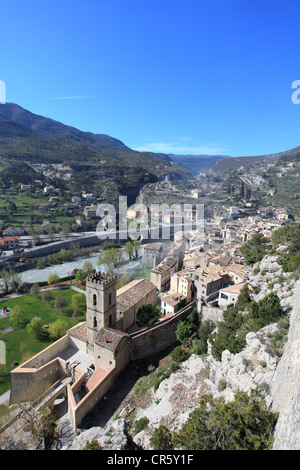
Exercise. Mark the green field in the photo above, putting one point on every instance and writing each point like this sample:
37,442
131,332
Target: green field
19,344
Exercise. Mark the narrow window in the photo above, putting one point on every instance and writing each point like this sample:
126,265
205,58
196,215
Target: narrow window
109,321
109,299
95,322
94,299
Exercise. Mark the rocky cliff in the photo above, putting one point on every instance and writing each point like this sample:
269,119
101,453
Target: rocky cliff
285,387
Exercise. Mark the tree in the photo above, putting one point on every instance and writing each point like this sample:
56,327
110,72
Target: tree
78,300
60,302
14,278
53,279
244,298
4,274
41,424
47,296
111,258
199,345
183,331
88,268
17,315
58,329
136,247
147,314
123,281
80,275
35,289
228,335
129,249
256,248
242,424
35,327
242,190
11,207
161,439
141,424
266,311
248,194
76,313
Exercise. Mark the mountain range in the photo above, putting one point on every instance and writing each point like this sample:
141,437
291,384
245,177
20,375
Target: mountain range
97,162
33,146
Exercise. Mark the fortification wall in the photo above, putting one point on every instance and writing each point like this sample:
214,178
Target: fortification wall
77,411
46,354
154,339
27,384
55,247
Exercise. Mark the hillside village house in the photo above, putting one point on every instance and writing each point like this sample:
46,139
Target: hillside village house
196,259
90,212
229,295
182,282
161,274
237,271
14,231
233,211
26,187
172,302
196,193
88,197
153,253
10,243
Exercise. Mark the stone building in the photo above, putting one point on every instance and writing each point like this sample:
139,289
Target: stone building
172,263
100,305
153,253
83,364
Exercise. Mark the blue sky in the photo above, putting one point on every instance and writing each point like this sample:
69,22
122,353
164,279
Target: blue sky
172,76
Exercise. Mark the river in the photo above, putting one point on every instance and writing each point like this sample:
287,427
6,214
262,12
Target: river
62,270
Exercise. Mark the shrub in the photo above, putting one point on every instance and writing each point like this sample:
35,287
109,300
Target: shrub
53,279
266,311
256,248
199,345
179,354
161,439
147,314
57,329
184,331
141,424
93,445
242,424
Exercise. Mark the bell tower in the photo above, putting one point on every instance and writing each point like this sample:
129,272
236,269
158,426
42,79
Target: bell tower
100,304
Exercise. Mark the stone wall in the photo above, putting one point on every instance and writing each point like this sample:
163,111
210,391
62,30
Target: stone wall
285,387
28,384
78,411
55,247
214,314
157,338
29,379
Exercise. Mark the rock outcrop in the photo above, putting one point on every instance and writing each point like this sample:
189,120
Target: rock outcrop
112,437
285,388
178,395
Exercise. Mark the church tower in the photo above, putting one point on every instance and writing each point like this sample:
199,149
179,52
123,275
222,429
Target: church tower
100,303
